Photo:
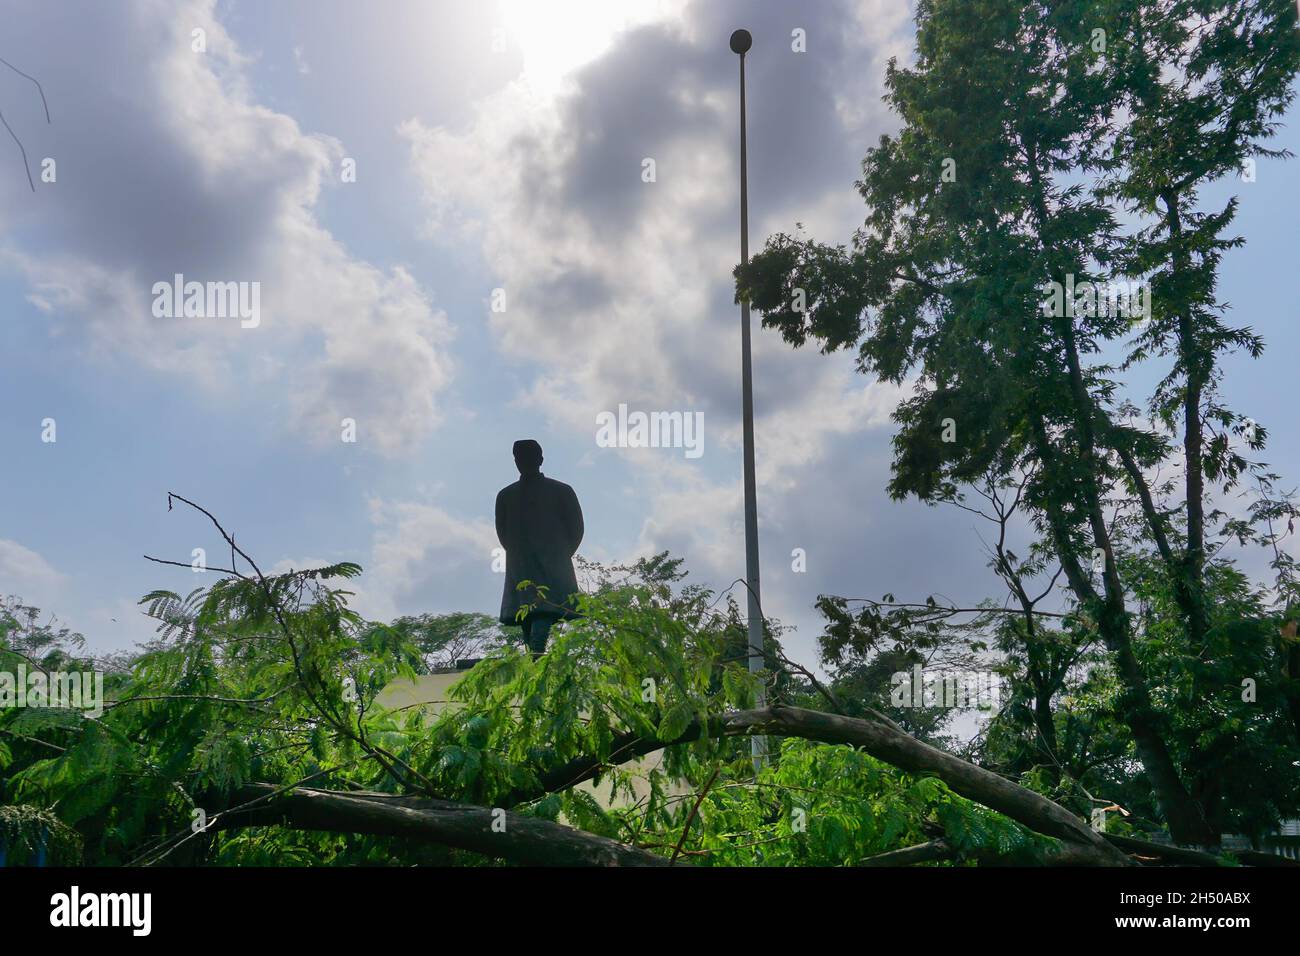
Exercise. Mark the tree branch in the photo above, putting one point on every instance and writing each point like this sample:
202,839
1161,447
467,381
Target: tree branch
879,738
908,855
517,838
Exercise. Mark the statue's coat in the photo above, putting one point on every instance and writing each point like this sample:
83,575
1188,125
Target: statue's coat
539,523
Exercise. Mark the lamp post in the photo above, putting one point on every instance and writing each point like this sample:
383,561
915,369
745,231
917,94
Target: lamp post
741,41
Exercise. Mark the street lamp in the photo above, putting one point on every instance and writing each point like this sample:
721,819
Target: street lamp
741,41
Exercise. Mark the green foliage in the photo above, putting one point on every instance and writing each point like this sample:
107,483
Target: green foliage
26,831
641,660
823,805
248,680
441,640
247,683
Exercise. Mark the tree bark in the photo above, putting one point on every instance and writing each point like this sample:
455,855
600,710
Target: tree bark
1197,373
1291,656
1183,814
1181,856
517,838
909,855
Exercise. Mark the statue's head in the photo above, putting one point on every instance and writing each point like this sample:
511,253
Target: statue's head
528,456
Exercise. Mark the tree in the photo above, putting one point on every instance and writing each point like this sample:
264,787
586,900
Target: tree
1016,139
1204,84
441,641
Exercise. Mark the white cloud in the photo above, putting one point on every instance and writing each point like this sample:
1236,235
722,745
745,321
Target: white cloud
425,559
168,164
25,574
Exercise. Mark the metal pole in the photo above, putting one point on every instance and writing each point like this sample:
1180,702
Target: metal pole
740,44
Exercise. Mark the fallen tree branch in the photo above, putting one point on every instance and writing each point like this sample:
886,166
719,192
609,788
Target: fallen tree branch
940,849
1167,855
495,833
883,740
886,742
908,855
1261,858
690,817
1182,856
533,841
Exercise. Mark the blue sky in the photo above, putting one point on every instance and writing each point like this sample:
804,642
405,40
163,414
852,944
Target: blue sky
495,148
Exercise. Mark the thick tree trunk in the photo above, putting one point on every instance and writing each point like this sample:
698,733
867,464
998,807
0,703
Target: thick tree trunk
1044,719
1196,369
1182,812
1186,821
492,832
1189,584
910,855
1291,655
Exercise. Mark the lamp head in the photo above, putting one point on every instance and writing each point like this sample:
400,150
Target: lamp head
741,41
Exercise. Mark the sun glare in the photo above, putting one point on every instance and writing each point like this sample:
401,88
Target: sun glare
558,37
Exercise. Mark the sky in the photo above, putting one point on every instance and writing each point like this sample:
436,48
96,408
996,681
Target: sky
502,265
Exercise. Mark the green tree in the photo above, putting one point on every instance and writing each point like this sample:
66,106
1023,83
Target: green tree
437,641
1017,126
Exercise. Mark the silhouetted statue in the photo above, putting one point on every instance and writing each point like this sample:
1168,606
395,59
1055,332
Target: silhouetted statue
539,523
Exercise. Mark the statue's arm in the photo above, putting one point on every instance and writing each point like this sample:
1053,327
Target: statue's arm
575,521
501,519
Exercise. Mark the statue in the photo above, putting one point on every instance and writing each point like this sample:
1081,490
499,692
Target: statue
539,523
